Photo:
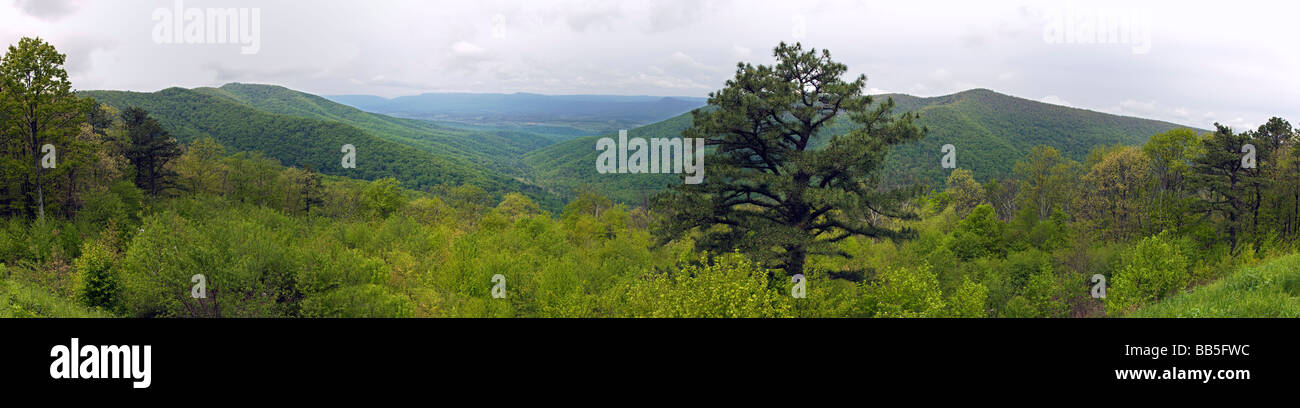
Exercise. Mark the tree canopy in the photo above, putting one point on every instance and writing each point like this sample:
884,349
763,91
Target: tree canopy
767,192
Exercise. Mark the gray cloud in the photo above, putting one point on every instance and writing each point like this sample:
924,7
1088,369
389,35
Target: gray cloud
594,14
665,15
1192,74
47,9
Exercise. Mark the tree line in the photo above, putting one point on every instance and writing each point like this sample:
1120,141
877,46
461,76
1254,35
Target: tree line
59,148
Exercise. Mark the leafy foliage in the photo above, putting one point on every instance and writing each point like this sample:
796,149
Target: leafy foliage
987,129
308,141
151,149
100,286
1152,269
39,107
273,237
1268,290
769,195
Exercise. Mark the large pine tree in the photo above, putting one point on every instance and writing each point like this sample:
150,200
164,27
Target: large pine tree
1223,178
151,148
768,191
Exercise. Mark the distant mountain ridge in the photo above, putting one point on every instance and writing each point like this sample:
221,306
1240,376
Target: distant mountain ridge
991,131
588,112
301,129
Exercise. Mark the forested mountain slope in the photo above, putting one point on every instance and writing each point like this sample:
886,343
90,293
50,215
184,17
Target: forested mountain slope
989,130
603,113
571,165
495,146
305,136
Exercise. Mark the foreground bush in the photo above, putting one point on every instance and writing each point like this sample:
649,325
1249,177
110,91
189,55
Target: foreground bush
727,286
98,285
22,300
1150,270
1268,290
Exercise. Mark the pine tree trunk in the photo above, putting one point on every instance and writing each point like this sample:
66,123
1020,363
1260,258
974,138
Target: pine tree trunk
795,258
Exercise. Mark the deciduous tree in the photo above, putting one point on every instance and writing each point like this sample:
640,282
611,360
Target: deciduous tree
39,106
1116,187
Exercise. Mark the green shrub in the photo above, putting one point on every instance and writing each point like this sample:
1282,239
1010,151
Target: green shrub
382,197
968,300
99,285
1042,296
428,211
1153,268
158,264
358,301
246,255
23,300
1008,278
900,292
102,206
727,286
13,240
979,235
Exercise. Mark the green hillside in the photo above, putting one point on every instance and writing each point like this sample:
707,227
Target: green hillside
299,133
990,131
572,165
494,149
986,127
1271,289
584,113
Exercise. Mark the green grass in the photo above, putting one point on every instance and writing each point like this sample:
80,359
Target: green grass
1271,289
18,300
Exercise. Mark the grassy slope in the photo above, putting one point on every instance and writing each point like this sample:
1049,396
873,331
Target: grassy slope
1271,289
18,299
991,132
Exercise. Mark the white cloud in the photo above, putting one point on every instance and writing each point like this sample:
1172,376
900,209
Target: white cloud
48,9
465,49
741,53
681,59
1055,100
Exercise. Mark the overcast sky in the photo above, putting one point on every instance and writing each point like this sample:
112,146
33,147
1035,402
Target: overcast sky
1237,62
